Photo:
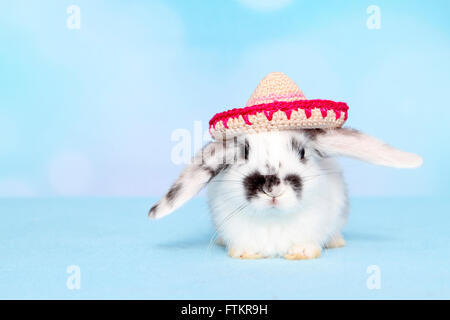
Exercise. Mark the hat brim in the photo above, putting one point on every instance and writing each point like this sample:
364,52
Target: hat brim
279,115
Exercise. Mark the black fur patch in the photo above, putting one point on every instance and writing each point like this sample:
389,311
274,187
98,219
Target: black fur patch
271,181
221,168
295,181
312,134
253,184
210,170
320,154
173,192
298,147
214,172
153,209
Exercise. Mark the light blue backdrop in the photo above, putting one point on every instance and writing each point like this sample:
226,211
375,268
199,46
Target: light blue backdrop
91,111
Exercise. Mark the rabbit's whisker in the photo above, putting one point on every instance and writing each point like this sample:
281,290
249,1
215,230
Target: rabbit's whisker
219,227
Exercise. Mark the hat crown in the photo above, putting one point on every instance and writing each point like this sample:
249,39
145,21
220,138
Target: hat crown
276,86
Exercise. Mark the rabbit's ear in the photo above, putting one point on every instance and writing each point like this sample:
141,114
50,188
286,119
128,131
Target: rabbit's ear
205,165
353,143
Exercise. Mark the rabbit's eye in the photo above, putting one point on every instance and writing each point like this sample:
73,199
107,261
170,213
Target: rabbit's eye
302,154
246,149
298,148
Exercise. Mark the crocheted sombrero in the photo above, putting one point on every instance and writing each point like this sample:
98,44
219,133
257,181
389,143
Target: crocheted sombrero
276,104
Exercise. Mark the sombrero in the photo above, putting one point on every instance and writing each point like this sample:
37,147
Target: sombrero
278,104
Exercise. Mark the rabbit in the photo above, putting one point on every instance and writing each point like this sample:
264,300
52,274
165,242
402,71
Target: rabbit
279,193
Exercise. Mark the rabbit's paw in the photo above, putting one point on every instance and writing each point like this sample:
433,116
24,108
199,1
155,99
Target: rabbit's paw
239,254
220,242
303,251
336,242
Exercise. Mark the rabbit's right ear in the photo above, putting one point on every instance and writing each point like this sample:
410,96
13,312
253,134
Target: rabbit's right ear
356,144
205,165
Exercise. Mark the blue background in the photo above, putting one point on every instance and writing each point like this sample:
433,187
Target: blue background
91,111
87,116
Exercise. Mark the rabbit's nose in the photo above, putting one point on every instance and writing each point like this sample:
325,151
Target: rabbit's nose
272,185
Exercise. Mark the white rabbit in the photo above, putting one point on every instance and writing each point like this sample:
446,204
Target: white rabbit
279,193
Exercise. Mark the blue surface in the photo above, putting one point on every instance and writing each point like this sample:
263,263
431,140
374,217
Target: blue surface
123,255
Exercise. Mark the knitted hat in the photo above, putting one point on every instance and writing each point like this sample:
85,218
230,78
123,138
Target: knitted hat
276,104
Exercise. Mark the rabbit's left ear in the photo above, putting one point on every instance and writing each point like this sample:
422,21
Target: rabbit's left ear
355,144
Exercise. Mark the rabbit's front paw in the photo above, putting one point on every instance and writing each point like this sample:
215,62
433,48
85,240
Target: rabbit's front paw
336,242
239,254
303,251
